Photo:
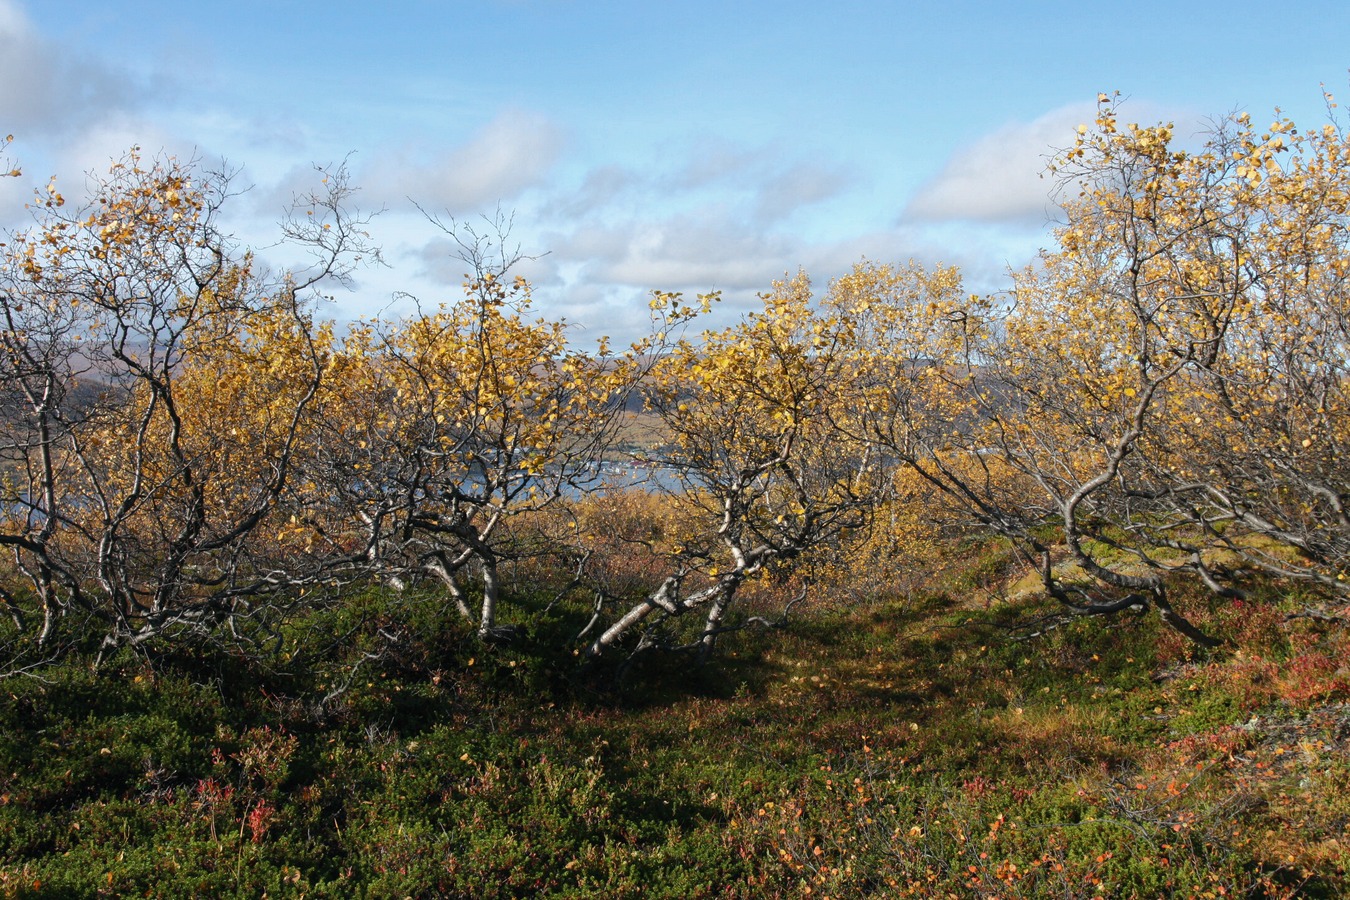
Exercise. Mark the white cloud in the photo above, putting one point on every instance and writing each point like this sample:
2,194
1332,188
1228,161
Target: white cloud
514,151
440,262
706,249
801,185
603,187
714,162
88,152
275,200
14,193
998,178
47,89
770,183
97,146
764,186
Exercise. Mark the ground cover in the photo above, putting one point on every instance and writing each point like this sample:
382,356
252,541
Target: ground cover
918,748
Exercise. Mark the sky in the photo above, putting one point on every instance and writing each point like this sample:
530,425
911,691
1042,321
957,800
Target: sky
685,145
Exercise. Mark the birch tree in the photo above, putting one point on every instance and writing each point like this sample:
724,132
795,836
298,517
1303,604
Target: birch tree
149,437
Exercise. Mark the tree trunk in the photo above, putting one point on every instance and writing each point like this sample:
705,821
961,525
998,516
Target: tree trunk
487,622
661,598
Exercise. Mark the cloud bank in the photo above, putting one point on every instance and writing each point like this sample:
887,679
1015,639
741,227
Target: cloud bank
515,151
49,91
998,178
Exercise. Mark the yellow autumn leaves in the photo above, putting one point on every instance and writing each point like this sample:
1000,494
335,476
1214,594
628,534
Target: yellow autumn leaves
1162,394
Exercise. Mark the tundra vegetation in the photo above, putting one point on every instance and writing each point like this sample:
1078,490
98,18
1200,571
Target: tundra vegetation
1039,593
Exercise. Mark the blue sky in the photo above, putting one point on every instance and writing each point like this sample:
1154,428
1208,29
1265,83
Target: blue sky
683,145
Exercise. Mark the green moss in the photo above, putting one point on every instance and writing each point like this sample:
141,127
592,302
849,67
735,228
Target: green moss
892,750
